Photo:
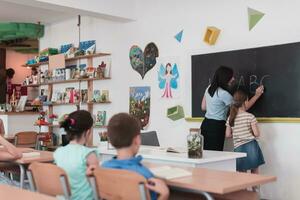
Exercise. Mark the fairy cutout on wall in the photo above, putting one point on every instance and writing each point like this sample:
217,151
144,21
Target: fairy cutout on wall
167,77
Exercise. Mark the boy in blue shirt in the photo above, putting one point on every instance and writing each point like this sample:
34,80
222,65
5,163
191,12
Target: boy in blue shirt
124,134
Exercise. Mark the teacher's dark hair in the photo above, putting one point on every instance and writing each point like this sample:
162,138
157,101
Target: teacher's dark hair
221,79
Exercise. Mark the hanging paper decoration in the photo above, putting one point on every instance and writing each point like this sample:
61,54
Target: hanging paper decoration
141,61
178,36
254,16
168,75
139,104
175,113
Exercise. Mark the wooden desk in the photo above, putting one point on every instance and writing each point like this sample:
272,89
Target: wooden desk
45,156
214,181
219,160
8,192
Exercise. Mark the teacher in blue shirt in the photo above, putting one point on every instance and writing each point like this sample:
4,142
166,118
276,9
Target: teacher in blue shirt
216,102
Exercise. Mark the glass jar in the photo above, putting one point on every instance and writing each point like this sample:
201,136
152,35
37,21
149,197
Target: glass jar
195,143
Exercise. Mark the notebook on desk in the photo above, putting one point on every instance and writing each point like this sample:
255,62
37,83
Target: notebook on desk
168,172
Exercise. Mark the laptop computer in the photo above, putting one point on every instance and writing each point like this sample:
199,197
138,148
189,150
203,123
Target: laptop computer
149,138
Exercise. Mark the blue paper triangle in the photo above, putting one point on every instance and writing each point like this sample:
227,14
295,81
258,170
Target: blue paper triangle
178,36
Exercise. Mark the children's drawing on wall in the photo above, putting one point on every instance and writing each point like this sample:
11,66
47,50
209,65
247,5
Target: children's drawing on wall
139,104
141,61
168,77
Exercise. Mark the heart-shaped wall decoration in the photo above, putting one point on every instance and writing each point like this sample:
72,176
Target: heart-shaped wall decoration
141,61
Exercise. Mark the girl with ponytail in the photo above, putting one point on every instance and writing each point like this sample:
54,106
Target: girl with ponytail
242,126
75,158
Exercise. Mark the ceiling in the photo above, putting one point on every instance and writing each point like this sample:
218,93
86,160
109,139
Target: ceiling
12,12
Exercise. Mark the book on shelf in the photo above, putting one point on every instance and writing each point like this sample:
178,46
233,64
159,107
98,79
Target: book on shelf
100,118
104,95
69,96
96,96
84,96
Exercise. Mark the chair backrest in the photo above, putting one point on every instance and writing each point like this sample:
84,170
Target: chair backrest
49,179
26,139
149,138
116,184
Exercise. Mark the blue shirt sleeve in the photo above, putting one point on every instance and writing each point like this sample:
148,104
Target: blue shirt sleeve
226,98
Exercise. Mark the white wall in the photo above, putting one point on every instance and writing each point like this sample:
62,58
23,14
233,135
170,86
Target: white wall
158,21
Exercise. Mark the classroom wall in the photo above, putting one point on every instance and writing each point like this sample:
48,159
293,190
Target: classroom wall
15,60
158,21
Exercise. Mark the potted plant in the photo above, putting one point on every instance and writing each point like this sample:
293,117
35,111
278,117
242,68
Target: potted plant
195,145
41,119
51,118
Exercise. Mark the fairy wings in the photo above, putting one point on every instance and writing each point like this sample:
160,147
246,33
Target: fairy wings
162,76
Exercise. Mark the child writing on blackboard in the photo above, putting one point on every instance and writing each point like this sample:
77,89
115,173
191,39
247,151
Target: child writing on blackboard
242,126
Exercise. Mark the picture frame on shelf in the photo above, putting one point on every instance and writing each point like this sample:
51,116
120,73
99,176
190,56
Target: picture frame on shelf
21,104
100,118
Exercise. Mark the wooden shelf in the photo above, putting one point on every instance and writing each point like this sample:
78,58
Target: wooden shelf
74,81
70,59
67,81
63,104
36,64
31,85
75,104
91,103
20,113
88,56
47,125
95,126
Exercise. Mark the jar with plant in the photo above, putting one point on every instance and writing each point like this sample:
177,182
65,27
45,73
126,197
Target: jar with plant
195,145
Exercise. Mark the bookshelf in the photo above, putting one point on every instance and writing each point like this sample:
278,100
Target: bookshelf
70,59
67,81
90,90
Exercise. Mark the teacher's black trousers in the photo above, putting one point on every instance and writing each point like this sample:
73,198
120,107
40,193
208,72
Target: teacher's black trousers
213,132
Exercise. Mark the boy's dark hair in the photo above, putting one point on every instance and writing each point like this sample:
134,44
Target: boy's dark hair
122,128
77,123
10,73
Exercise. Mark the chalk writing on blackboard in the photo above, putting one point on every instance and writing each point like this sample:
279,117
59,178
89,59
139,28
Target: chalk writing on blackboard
253,84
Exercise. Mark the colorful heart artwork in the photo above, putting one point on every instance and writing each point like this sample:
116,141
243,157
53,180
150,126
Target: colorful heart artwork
141,61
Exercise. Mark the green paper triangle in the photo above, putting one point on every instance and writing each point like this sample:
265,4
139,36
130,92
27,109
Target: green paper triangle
254,16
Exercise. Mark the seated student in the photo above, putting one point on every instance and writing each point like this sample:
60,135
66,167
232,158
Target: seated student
124,134
7,153
75,158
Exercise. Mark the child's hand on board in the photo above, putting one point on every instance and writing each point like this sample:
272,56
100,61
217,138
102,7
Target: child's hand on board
158,186
259,91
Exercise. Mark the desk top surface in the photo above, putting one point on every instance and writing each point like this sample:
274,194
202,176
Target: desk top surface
159,153
45,156
215,181
8,192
